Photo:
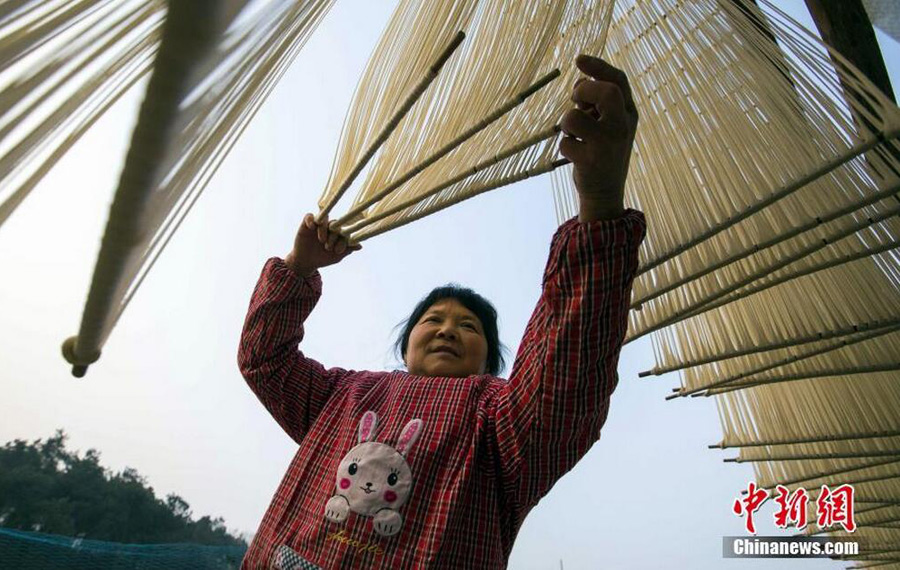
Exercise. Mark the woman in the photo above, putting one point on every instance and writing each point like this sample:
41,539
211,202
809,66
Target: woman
438,466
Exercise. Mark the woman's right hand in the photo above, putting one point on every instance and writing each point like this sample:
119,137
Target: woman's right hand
316,246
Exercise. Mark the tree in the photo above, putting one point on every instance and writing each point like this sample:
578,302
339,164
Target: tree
45,487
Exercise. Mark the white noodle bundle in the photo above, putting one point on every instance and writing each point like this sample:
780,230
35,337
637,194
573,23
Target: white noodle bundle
215,65
768,174
424,165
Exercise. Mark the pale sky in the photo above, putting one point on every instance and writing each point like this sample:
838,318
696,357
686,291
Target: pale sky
167,398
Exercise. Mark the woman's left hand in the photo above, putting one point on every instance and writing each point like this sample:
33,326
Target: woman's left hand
599,135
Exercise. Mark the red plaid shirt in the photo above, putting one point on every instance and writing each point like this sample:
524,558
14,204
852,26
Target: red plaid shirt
489,448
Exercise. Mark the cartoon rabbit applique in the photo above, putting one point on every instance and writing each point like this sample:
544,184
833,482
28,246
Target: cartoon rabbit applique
374,479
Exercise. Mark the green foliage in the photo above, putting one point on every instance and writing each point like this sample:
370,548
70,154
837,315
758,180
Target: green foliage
45,487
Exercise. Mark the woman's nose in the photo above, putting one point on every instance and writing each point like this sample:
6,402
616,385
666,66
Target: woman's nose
447,331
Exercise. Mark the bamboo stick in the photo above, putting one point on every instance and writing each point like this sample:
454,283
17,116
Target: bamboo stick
859,525
188,32
826,474
820,439
392,123
705,304
846,455
873,479
483,165
756,248
758,287
541,169
880,562
776,195
864,554
216,146
256,46
769,347
807,376
506,107
790,360
876,506
871,499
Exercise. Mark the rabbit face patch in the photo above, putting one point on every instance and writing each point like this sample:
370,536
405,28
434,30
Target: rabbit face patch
374,479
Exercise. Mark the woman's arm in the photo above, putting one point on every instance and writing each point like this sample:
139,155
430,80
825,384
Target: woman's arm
292,387
550,412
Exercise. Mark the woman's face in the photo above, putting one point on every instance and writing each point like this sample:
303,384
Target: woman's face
448,340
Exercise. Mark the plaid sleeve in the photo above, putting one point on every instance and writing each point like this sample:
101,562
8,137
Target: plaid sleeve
292,387
550,412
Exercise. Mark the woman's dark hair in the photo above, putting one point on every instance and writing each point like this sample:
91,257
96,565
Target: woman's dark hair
481,307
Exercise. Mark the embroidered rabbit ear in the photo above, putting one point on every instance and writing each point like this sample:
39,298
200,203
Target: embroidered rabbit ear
408,437
367,426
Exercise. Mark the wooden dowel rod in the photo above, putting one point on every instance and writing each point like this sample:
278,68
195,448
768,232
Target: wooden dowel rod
215,145
658,371
187,34
756,248
480,190
792,359
870,499
503,155
876,506
806,376
706,303
889,519
758,287
879,502
509,105
392,123
829,240
824,438
872,479
864,553
832,473
889,453
775,196
882,562
868,558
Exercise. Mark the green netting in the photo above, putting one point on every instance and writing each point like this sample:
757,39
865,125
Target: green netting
23,550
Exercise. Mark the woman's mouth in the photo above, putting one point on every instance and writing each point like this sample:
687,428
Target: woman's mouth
445,350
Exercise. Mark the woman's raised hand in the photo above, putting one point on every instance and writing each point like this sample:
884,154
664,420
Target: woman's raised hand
599,134
316,246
